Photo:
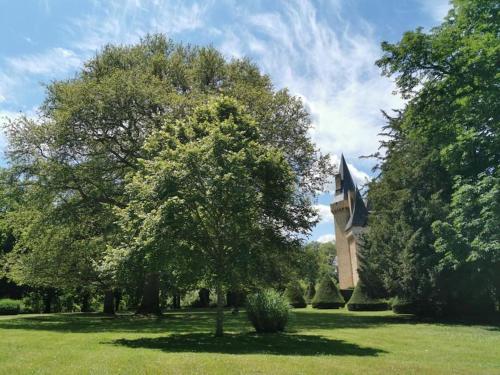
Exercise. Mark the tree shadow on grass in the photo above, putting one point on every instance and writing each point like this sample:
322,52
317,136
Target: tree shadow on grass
185,321
245,343
305,320
95,323
203,320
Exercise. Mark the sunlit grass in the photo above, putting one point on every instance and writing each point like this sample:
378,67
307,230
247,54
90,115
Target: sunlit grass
316,342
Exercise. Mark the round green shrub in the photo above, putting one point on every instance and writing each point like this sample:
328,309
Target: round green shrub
9,307
328,295
403,306
310,292
267,311
295,295
361,301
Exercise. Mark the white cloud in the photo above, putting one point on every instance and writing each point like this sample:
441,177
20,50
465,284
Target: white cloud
55,60
326,238
437,9
7,84
324,213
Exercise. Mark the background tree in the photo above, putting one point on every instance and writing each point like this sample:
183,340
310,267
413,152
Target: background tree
316,260
446,136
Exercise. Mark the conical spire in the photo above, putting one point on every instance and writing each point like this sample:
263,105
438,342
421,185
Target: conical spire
345,176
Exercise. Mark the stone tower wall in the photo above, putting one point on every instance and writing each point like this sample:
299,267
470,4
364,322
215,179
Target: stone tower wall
346,280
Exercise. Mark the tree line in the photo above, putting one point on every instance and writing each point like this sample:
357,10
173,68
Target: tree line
434,229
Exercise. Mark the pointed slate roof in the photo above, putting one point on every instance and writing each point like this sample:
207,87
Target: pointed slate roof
359,215
345,176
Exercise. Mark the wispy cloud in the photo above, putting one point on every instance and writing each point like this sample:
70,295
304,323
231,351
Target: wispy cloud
330,65
113,21
437,9
53,61
7,84
327,61
128,21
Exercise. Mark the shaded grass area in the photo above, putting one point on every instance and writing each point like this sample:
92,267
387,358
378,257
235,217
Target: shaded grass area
277,344
334,341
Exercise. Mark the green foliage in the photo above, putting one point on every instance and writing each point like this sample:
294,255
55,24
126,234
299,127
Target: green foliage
9,306
469,244
212,196
362,301
91,135
437,178
315,260
267,311
328,295
33,303
295,295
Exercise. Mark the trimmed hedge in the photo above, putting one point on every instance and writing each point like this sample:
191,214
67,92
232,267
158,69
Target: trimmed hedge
9,307
295,295
402,306
328,295
267,311
360,301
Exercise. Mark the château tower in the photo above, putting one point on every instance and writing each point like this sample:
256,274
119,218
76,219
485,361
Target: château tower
350,216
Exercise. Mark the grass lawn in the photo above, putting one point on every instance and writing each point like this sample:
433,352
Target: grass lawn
316,342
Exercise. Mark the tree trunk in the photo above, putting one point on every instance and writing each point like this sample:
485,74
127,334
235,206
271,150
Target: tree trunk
118,299
47,300
85,302
109,302
150,303
219,323
176,300
204,297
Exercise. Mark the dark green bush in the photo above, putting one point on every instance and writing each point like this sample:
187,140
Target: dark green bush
9,307
361,301
310,292
267,311
328,295
295,295
403,306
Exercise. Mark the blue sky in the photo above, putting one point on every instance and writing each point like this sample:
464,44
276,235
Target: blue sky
323,51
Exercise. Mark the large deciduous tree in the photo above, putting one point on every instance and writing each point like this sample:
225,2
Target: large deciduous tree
211,191
91,131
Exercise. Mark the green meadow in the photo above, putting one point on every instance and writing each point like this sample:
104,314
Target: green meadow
315,342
